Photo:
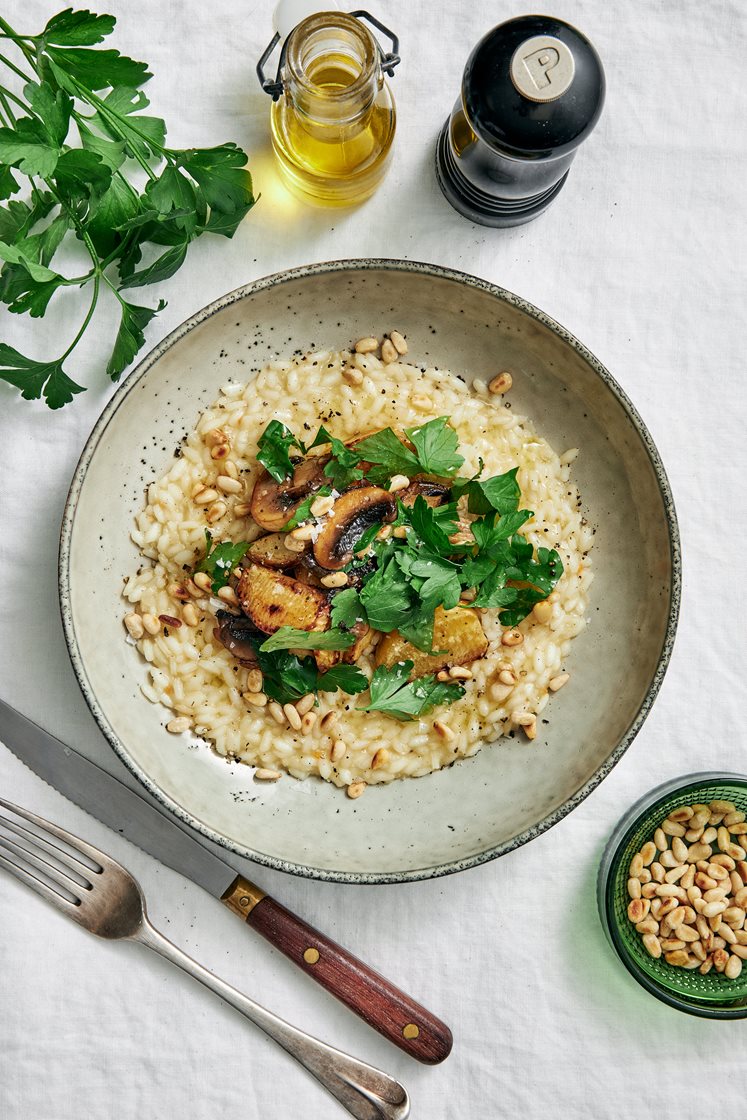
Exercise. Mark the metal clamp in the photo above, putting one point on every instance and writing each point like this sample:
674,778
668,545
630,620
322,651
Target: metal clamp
275,87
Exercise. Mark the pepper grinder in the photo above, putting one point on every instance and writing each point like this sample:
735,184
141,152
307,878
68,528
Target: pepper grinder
532,91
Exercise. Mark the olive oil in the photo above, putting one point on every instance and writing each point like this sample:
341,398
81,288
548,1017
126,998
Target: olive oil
333,126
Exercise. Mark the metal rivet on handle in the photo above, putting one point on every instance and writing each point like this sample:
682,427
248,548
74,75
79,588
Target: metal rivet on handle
411,1030
311,955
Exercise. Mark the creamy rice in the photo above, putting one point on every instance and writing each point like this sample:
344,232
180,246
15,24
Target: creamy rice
192,675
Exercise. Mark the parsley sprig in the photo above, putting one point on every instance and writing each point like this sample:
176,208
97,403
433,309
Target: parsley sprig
392,693
220,559
81,188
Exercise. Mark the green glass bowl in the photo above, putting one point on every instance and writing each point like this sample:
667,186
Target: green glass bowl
713,996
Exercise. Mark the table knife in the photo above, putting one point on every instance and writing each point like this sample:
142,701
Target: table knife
378,1002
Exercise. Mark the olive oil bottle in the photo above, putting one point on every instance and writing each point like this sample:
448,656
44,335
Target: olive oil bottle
334,119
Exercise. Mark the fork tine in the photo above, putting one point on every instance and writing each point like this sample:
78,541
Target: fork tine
34,863
79,847
35,850
37,885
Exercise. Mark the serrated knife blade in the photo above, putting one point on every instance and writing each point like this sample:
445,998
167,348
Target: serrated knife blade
382,1005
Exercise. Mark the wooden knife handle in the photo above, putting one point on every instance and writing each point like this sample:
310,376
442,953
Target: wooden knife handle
378,1002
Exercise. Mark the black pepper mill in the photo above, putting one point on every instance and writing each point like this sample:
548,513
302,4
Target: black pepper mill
532,91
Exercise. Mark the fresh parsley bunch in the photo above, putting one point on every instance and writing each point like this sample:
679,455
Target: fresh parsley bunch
72,127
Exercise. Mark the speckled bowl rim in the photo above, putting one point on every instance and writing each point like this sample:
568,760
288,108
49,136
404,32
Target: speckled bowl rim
276,280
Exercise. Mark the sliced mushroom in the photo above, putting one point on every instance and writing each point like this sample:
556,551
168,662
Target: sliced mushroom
274,503
351,515
459,632
271,552
433,492
239,635
272,600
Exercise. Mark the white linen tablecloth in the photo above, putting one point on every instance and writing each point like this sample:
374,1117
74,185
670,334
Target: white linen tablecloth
642,257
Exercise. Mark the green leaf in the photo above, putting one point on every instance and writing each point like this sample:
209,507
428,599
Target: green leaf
393,694
386,598
387,450
417,628
274,446
161,268
342,468
112,209
227,224
53,108
34,378
18,218
441,584
349,678
8,185
501,493
28,148
78,29
426,525
288,637
22,294
220,560
112,152
493,592
304,510
79,172
436,445
222,174
143,136
15,254
42,246
172,191
96,69
347,608
130,336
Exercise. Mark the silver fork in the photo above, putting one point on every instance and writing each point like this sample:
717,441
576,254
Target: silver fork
99,894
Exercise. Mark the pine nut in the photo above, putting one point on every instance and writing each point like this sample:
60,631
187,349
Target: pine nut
179,725
679,849
190,615
421,402
254,681
293,544
388,351
733,967
678,957
693,834
634,888
557,682
151,624
686,933
242,509
688,878
660,840
204,496
648,925
356,789
384,533
671,828
460,673
220,452
276,711
203,581
134,625
398,341
737,887
322,505
338,749
736,851
667,890
648,890
669,860
328,720
442,675
335,579
684,813
706,966
672,944
228,595
717,870
636,866
400,532
303,533
178,591
215,437
638,908
657,871
307,723
722,807
398,482
502,383
255,699
542,612
292,716
675,917
512,637
230,468
366,346
305,704
740,951
734,915
727,934
228,485
735,817
720,959
380,758
352,376
713,909
699,851
652,945
675,874
709,836
698,951
215,512
443,730
265,775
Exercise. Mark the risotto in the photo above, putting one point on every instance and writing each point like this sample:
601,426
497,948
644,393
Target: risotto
173,612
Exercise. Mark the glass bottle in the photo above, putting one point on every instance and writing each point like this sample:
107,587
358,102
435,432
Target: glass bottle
334,118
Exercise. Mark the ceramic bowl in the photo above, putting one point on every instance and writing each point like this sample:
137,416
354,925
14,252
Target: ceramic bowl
508,793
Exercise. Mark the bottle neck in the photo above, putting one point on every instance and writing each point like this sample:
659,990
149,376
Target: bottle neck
332,71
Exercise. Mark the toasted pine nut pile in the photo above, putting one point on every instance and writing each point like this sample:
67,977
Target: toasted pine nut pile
688,889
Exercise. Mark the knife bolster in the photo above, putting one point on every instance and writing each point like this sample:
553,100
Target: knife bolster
242,896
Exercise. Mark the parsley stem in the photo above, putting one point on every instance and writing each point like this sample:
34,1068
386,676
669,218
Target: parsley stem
7,108
5,92
114,118
87,320
12,66
18,40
